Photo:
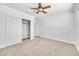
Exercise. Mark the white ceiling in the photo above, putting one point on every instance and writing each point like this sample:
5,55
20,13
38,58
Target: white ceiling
25,7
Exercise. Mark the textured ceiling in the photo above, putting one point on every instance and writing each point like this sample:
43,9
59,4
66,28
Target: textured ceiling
25,7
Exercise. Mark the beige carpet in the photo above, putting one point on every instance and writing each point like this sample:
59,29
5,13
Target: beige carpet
40,47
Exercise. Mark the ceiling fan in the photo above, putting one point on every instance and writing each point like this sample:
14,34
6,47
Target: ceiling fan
40,8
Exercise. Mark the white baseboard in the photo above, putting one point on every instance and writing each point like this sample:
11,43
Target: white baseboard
14,42
58,39
77,47
9,44
2,46
31,38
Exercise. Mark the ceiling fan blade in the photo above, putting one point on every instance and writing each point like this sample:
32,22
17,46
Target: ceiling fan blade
34,8
46,7
44,12
37,12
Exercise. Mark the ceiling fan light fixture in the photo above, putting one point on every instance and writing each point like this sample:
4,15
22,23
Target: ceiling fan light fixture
40,9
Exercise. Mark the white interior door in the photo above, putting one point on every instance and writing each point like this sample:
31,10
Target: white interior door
25,29
2,30
14,30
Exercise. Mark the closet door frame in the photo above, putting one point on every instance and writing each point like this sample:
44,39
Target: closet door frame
26,28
